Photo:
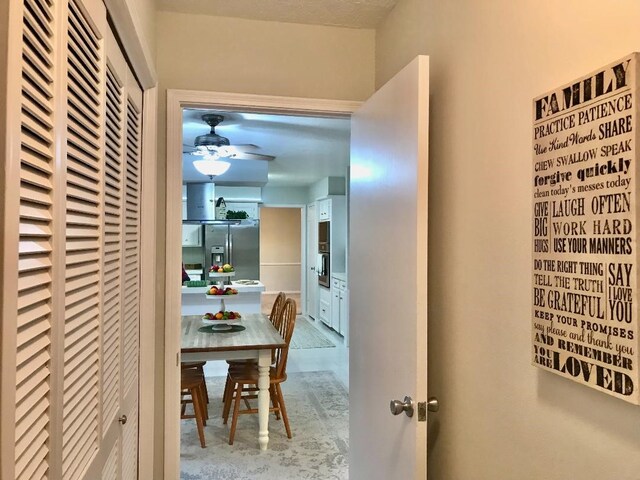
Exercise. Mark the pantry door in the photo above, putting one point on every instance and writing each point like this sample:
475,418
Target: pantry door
388,277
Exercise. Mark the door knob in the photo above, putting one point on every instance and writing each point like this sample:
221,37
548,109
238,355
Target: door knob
123,419
397,407
433,405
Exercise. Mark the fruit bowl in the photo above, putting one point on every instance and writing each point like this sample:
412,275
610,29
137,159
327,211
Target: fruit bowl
221,291
223,269
221,316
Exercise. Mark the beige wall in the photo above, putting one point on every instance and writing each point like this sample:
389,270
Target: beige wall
199,52
145,12
501,418
280,248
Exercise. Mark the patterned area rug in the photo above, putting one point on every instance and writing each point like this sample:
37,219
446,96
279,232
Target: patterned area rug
318,408
305,335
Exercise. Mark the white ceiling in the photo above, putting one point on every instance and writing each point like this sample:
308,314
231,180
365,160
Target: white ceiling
342,13
307,149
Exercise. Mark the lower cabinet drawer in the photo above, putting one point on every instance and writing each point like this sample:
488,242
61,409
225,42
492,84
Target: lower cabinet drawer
324,312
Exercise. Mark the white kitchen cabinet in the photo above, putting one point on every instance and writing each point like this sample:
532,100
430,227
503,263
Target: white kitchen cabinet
339,305
324,306
324,209
191,235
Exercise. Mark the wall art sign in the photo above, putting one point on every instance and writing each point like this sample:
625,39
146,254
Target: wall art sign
585,230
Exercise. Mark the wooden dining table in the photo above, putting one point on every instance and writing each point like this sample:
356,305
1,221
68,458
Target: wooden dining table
255,342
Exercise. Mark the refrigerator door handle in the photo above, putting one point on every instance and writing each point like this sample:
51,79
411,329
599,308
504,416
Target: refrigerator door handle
230,262
226,248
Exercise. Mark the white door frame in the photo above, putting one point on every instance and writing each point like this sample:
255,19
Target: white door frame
176,101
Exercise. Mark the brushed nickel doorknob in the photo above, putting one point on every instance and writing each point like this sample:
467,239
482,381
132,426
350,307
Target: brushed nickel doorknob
433,405
397,407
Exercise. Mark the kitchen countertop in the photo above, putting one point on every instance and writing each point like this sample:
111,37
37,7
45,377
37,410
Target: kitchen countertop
241,288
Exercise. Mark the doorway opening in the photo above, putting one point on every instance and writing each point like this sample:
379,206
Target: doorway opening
303,360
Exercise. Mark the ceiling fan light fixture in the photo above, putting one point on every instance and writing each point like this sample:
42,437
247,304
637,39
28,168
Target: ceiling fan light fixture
211,167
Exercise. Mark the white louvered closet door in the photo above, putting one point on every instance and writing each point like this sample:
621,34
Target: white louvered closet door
70,256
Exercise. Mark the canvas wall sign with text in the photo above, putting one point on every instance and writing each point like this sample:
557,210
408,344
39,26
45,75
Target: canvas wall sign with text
585,222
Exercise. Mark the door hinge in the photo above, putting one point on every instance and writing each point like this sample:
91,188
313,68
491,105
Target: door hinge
178,359
422,411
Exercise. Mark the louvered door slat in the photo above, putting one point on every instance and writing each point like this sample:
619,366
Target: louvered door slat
112,465
78,449
36,385
39,198
39,11
31,330
34,229
33,313
31,263
30,211
81,112
129,445
81,269
113,245
36,73
83,243
82,146
37,160
38,27
81,27
34,101
37,128
26,424
33,335
27,247
33,146
32,280
81,186
35,466
82,214
36,295
37,436
36,46
25,387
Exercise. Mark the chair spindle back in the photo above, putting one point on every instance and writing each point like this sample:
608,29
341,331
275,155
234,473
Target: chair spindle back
286,330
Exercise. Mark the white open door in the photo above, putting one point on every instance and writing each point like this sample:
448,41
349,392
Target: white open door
388,307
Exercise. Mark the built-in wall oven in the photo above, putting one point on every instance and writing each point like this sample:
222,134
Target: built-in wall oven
324,249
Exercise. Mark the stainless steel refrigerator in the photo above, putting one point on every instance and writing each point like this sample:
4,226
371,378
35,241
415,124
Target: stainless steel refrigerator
236,243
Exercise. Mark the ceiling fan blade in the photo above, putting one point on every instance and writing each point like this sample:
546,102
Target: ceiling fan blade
251,156
245,147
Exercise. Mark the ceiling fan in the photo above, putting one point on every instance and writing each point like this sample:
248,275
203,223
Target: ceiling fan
213,145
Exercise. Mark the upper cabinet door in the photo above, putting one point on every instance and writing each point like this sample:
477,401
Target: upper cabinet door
389,155
324,209
191,235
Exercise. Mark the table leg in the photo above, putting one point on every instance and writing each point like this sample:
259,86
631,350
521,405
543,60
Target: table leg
264,361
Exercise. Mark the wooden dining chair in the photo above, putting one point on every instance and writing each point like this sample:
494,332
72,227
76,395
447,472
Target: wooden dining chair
192,390
199,366
244,378
275,318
